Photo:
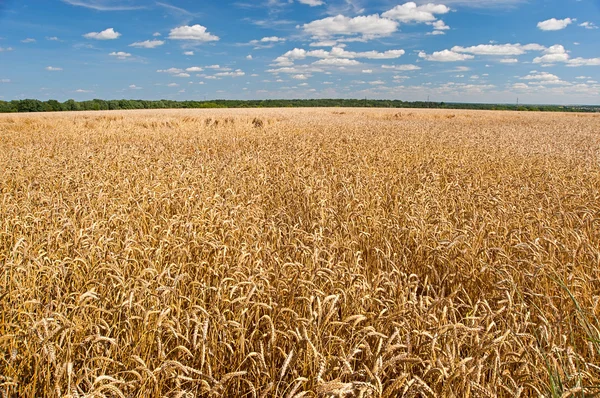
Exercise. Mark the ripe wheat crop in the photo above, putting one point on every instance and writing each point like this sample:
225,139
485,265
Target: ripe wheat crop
299,253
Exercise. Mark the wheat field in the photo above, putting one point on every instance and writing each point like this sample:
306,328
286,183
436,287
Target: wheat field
300,253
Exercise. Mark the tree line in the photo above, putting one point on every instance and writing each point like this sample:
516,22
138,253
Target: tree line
34,105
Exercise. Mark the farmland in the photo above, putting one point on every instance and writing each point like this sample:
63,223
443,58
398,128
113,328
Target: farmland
306,252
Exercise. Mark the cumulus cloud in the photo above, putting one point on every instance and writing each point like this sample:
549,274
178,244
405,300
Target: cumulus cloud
509,61
134,87
410,12
335,53
193,33
170,71
555,24
370,26
147,44
270,39
588,25
336,62
407,67
445,56
53,69
499,49
575,62
120,55
28,40
2,49
236,73
80,90
107,34
190,53
192,69
542,78
556,53
300,77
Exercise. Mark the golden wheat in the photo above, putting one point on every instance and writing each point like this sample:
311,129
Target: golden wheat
299,253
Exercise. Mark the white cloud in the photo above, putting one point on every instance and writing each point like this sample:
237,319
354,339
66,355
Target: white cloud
300,77
28,40
440,25
213,67
107,34
53,38
2,49
195,33
53,69
324,43
509,61
312,3
335,53
436,33
172,85
541,78
170,70
134,87
193,69
406,67
410,12
147,44
499,49
5,80
368,27
575,62
120,55
80,90
249,57
156,34
336,62
236,73
556,53
368,71
445,56
588,25
555,24
190,53
182,74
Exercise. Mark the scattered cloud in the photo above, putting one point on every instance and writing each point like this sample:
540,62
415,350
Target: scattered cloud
81,91
407,67
189,53
192,33
53,69
52,38
410,12
134,87
249,57
5,80
588,25
192,69
236,73
499,49
556,53
147,44
107,34
120,55
555,24
3,49
368,27
445,56
509,61
28,40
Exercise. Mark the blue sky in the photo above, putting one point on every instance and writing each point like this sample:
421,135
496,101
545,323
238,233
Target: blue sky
541,51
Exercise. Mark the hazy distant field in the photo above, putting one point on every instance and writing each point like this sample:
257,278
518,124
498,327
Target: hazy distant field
301,252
